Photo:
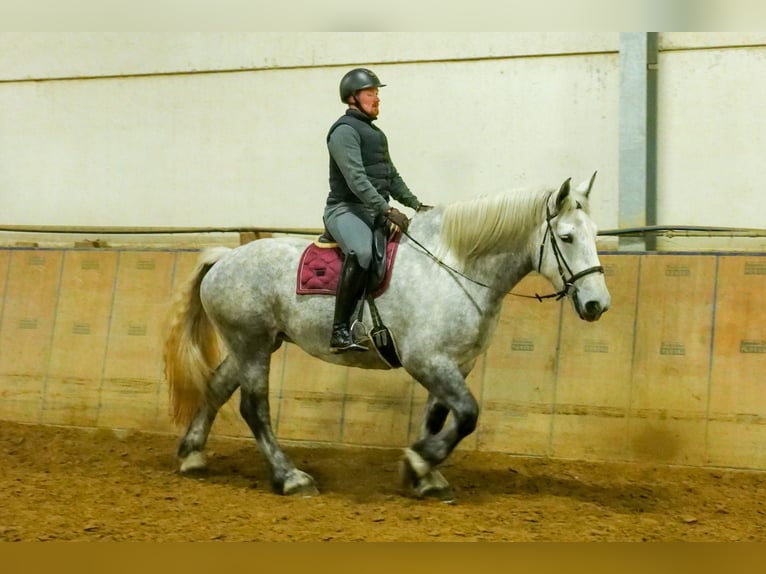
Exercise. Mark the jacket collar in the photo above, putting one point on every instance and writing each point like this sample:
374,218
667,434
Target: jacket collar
359,115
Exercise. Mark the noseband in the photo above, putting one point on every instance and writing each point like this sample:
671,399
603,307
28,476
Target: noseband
561,263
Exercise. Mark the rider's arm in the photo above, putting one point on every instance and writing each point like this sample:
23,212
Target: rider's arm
400,192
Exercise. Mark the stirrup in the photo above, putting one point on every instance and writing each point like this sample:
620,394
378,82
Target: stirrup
359,333
354,343
352,346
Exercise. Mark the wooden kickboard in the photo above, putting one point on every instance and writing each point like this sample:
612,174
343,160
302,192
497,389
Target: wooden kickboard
312,393
71,394
132,372
737,412
519,373
671,374
669,391
594,371
29,314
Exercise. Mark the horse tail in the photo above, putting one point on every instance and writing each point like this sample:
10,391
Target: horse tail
191,352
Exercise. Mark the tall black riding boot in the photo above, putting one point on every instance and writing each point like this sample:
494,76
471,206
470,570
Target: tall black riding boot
350,284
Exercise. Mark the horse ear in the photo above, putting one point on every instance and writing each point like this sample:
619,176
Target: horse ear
590,183
562,194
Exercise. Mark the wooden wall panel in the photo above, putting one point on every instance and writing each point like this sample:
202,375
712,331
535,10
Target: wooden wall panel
660,438
73,383
737,428
672,356
740,338
29,310
311,399
736,442
671,374
5,262
592,434
519,373
673,332
596,358
133,368
594,374
377,407
185,263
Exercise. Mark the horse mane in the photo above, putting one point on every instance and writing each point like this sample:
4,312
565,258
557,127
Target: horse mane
492,224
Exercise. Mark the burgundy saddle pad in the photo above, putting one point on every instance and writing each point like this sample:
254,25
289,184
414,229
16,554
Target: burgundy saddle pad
321,263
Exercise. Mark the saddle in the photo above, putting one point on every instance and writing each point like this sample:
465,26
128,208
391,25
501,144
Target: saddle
318,274
321,262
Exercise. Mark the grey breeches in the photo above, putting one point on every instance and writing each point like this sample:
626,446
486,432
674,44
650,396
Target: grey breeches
352,234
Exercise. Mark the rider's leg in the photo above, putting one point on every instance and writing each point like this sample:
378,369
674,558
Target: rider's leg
350,286
355,240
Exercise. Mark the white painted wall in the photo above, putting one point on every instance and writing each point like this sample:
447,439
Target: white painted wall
227,129
712,137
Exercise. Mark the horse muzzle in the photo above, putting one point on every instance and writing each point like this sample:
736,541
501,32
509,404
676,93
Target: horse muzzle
590,309
590,304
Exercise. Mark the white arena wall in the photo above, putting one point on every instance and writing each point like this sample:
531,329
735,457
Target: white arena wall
214,130
227,129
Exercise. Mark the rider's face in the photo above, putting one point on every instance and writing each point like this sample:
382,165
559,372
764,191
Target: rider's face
369,102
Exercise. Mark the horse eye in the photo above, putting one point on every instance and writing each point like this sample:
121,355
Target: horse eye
566,238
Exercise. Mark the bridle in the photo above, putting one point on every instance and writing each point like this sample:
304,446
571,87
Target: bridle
561,263
563,266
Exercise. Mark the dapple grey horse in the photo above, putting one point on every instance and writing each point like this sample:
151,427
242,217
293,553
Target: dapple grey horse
452,271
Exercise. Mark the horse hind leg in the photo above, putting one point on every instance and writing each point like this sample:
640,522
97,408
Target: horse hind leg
254,408
191,447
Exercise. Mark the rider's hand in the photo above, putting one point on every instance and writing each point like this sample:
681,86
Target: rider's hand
423,207
398,218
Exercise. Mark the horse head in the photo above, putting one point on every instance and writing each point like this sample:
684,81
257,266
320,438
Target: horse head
568,256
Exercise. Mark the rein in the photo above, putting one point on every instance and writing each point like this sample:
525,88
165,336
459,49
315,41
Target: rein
560,262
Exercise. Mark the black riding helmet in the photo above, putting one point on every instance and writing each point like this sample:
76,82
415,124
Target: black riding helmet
358,79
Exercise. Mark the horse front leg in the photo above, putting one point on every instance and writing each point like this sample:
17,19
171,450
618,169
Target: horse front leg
430,482
255,409
448,393
434,417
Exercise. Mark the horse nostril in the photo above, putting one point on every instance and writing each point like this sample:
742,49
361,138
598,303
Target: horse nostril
593,308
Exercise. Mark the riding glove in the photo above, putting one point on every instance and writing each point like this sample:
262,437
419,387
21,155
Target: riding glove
423,207
398,218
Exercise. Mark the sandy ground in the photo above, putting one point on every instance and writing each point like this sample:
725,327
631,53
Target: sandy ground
74,484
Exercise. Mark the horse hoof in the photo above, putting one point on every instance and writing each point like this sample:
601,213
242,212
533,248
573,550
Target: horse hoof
193,463
442,494
298,483
434,485
431,484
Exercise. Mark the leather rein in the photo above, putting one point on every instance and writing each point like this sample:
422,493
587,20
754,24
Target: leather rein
563,266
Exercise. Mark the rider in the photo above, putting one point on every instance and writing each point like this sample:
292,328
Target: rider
362,180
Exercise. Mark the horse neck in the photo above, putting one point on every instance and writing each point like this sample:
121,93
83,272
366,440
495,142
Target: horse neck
501,271
497,238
